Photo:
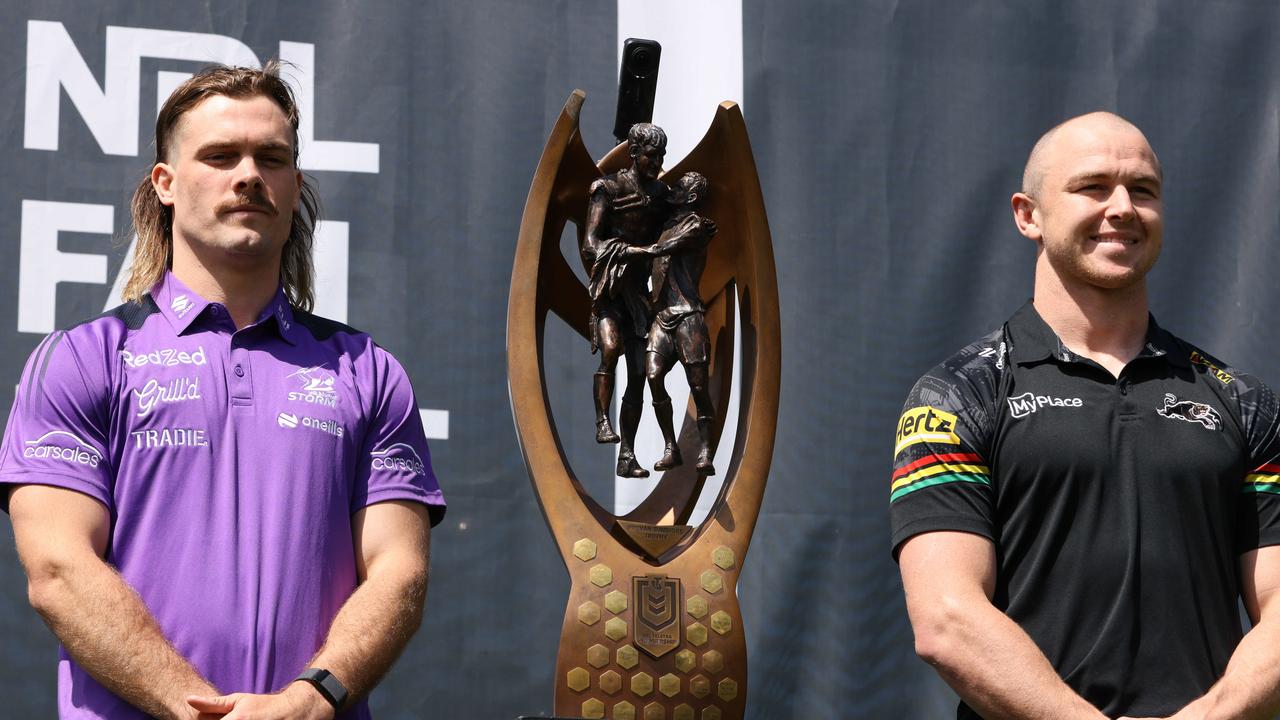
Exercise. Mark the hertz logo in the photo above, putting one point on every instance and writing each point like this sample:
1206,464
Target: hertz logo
926,424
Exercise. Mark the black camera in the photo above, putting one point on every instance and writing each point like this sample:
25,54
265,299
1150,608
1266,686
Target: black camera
637,84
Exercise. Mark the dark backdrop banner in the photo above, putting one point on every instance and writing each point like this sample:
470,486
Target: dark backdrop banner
889,136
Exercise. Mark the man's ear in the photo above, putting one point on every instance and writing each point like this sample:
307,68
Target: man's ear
1026,215
162,182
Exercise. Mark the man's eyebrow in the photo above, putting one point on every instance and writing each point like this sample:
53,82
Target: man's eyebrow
269,146
1085,177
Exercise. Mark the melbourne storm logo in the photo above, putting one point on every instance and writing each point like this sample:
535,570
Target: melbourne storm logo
317,387
1193,412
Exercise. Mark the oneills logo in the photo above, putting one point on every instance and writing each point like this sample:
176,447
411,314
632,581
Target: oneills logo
656,622
926,424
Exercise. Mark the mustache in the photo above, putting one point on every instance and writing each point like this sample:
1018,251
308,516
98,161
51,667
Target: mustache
254,200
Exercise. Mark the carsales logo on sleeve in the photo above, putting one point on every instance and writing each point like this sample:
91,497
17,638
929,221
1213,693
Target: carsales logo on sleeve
64,447
398,457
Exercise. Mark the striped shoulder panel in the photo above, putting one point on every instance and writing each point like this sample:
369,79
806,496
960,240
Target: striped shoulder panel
322,328
937,469
132,314
1264,479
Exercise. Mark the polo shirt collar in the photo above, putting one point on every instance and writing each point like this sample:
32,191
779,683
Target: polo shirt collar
1033,340
181,305
280,312
178,303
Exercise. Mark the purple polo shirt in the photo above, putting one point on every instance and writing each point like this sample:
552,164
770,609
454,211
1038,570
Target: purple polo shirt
231,463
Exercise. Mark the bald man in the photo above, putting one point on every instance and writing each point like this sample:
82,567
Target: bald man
1080,499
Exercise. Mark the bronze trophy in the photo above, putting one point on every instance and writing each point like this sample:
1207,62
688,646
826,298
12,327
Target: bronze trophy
652,628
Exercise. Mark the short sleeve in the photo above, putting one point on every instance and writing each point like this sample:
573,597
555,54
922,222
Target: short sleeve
395,463
57,432
941,479
1259,521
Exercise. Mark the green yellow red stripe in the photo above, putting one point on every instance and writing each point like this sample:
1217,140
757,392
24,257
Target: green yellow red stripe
937,469
1265,478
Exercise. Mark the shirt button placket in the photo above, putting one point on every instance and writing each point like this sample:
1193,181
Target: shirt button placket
241,378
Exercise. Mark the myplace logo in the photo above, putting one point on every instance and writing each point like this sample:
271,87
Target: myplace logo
1027,403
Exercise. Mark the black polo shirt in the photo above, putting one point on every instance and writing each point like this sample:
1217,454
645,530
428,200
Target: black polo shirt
1118,506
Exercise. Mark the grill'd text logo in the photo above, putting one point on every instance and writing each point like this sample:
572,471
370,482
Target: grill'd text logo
179,390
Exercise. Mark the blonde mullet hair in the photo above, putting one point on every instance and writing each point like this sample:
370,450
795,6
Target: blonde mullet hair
153,220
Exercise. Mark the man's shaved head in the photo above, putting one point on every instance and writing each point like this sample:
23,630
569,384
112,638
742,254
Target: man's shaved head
1038,162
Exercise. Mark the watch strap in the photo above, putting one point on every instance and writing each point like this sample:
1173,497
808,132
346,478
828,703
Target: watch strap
329,687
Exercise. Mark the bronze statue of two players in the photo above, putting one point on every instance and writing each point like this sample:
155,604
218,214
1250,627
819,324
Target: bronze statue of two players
646,247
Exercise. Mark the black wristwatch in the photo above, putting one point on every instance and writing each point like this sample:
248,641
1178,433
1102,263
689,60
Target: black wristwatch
327,685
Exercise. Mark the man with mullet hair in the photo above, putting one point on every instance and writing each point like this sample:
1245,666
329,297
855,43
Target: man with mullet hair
222,502
1080,499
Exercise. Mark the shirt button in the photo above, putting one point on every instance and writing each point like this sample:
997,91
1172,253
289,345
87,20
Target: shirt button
239,371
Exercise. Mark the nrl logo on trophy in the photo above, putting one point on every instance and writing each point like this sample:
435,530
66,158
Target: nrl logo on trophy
656,620
678,268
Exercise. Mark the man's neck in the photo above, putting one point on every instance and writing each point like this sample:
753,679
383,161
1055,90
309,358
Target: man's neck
243,291
1106,326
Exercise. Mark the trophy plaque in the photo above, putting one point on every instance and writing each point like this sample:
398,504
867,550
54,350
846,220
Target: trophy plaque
652,627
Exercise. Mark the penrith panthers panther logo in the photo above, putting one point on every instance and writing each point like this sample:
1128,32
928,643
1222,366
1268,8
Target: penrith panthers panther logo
1191,412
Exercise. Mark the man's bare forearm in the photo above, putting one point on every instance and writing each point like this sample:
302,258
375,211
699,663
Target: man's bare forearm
109,632
376,623
990,661
1250,687
997,668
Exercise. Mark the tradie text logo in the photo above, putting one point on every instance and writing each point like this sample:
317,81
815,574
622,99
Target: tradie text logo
179,390
168,357
180,305
64,447
169,437
1027,403
398,457
317,387
926,424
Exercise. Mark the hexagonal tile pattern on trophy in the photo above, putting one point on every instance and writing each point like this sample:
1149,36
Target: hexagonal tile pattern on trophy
584,550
